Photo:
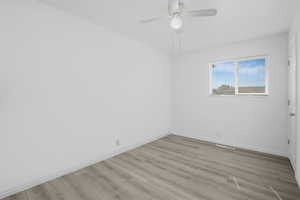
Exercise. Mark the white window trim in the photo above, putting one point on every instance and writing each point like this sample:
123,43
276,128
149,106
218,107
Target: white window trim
236,61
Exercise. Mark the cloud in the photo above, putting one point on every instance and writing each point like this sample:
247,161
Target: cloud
247,67
251,67
251,70
225,67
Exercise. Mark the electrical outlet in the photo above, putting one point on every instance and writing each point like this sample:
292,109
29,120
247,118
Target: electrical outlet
117,142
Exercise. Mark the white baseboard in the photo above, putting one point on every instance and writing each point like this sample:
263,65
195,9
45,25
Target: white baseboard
292,162
41,180
242,146
298,180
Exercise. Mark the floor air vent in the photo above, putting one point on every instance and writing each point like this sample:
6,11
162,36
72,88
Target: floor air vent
225,147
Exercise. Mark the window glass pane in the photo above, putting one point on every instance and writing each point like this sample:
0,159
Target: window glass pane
223,78
252,76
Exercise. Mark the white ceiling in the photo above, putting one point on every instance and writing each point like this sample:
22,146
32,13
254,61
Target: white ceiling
237,20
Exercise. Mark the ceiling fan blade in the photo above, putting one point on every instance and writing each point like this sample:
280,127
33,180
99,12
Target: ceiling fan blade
201,13
151,20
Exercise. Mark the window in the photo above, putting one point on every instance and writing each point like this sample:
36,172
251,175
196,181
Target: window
239,77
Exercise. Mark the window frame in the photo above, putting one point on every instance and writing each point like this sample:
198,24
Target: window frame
236,61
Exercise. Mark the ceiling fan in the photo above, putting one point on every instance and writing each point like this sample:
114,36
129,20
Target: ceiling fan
176,13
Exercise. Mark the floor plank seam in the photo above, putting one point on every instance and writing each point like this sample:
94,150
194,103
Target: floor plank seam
275,192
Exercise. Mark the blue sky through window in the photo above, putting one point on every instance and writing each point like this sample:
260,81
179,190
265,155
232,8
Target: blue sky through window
223,74
252,72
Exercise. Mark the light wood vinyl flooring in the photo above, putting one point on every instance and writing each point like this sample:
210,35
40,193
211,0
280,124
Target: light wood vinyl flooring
175,168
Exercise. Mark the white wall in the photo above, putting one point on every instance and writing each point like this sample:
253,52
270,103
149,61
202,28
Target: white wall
295,29
68,90
257,123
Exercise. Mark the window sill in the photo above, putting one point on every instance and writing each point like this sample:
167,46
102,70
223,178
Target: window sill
241,95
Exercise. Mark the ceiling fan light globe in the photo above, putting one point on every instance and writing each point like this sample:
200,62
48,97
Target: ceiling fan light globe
176,22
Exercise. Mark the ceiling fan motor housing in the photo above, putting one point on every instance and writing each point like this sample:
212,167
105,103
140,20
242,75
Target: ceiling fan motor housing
175,7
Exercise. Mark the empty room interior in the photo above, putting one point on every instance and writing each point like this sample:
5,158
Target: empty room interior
150,100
